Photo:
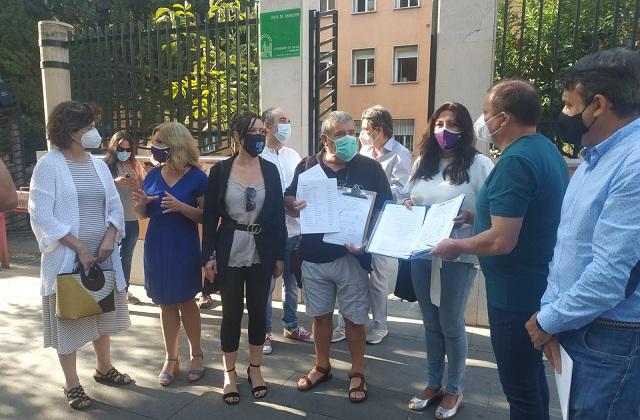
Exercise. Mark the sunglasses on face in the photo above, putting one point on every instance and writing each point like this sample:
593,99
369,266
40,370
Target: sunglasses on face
251,195
122,149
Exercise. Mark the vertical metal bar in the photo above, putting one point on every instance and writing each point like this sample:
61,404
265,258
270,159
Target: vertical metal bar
238,54
539,43
216,31
197,107
335,60
596,23
247,32
207,75
311,104
170,98
556,35
188,73
523,12
505,26
257,55
616,16
576,31
634,32
179,101
134,73
227,65
316,82
124,78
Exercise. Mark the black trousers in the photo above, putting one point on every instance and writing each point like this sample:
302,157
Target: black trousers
236,281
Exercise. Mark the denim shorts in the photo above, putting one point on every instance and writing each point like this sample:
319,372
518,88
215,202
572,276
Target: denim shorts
343,279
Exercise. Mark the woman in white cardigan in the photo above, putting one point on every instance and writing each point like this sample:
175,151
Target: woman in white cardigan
77,217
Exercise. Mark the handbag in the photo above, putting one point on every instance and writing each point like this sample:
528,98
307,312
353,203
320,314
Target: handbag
295,264
404,284
85,293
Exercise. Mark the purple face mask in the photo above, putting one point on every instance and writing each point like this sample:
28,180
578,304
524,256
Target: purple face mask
447,139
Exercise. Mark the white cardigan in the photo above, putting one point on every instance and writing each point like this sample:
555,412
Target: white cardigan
54,212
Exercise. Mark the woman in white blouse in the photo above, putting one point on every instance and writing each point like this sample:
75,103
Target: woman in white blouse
448,166
77,217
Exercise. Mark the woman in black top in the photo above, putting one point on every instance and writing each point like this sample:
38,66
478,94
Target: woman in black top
244,237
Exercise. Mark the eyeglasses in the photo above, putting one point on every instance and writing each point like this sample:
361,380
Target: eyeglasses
251,195
122,149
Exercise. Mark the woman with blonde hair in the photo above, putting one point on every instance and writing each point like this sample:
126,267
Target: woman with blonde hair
172,199
128,175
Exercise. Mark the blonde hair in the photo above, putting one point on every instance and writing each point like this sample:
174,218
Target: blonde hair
183,149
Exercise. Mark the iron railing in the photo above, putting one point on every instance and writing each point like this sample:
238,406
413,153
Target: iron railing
198,72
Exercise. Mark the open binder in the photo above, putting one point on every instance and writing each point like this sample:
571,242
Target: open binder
355,207
408,234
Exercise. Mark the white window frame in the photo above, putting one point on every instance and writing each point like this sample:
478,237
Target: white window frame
325,5
399,5
327,75
354,7
401,131
398,54
363,56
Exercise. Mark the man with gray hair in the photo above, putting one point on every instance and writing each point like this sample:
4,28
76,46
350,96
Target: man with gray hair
331,272
278,127
376,137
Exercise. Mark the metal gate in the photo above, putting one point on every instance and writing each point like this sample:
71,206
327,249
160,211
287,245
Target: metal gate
323,70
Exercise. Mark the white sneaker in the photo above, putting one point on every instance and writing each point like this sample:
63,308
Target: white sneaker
375,336
338,335
267,347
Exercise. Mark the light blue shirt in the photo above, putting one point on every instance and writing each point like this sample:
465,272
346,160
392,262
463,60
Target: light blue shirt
598,242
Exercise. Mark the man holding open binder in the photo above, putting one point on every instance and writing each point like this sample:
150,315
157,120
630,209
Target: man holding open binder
330,271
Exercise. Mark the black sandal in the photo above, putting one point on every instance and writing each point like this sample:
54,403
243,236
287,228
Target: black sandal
231,398
256,391
77,398
112,377
360,388
326,375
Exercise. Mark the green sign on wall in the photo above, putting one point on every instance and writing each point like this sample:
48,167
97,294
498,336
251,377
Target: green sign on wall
280,34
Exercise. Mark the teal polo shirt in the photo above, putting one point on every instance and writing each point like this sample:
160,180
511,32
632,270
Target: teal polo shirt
528,181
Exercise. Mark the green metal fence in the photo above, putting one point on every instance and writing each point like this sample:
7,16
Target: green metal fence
538,39
195,71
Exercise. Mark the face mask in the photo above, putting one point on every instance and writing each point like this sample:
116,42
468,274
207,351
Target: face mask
284,133
365,138
571,128
91,139
253,144
447,139
160,154
346,148
482,130
123,156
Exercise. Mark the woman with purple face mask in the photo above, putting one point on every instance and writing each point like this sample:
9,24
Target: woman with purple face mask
449,165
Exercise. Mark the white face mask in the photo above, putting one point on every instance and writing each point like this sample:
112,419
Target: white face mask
91,139
365,138
482,130
284,133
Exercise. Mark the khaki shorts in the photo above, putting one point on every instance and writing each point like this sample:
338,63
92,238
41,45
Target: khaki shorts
343,279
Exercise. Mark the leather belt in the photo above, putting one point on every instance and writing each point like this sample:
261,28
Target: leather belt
617,324
252,229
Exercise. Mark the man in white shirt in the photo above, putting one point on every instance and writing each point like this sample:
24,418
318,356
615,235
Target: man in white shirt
278,127
376,137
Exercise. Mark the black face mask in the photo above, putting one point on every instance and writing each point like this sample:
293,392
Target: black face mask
570,129
253,144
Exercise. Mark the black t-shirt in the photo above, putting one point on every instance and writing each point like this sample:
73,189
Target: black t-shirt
361,170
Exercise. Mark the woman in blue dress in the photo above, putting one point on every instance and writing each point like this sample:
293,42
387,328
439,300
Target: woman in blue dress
172,199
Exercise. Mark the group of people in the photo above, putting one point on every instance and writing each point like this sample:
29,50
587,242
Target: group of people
560,258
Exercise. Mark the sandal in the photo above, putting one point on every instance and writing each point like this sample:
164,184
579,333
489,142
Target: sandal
196,374
165,378
326,375
77,398
112,377
231,398
256,391
360,388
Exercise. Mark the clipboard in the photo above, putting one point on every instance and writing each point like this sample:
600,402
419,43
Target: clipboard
355,208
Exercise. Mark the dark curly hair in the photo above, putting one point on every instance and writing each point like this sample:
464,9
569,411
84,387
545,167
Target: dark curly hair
66,118
242,122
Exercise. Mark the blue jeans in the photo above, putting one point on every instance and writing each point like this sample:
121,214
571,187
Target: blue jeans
444,326
605,382
520,366
127,245
289,292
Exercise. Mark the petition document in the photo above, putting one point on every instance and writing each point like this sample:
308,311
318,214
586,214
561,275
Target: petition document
354,217
321,213
438,224
395,229
563,382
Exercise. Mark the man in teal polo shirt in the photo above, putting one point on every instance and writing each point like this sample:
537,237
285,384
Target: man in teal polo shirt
517,217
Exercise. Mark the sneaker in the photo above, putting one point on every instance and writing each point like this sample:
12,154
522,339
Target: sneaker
132,299
267,347
205,301
299,334
375,336
338,335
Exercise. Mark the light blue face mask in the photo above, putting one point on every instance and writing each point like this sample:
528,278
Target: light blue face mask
123,156
346,148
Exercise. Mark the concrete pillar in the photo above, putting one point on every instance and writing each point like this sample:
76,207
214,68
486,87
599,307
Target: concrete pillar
53,39
465,54
284,82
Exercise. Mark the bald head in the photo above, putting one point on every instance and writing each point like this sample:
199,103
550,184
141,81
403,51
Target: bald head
517,97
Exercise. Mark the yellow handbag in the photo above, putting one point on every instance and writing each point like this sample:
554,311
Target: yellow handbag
81,294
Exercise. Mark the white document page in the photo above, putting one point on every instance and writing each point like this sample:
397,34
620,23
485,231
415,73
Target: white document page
315,172
438,224
396,230
563,382
353,217
321,213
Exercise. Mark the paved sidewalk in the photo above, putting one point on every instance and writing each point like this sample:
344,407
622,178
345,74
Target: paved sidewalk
31,377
